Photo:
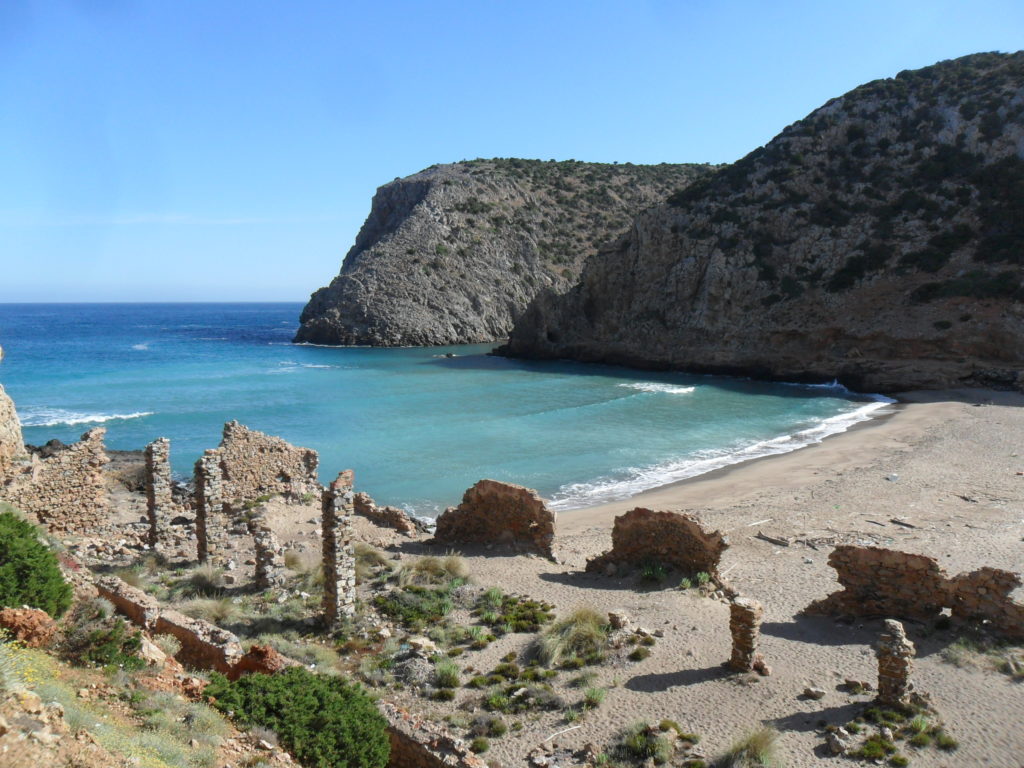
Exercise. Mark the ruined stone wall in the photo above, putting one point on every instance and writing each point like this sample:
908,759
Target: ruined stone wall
388,517
886,582
254,464
203,645
160,506
420,744
642,536
269,570
11,444
493,512
64,486
211,520
339,563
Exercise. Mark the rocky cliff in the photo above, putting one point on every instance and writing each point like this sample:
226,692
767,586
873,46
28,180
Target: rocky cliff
453,254
879,240
11,443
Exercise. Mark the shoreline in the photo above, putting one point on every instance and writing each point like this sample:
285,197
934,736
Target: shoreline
859,445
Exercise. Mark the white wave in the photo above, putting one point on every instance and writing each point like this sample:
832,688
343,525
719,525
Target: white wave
651,386
140,347
290,366
639,479
54,417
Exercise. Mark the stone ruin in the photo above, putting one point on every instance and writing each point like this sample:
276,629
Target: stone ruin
211,528
388,517
339,562
887,583
493,512
895,655
745,626
254,464
160,506
269,570
63,486
675,540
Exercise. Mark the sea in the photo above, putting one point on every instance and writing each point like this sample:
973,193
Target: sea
418,425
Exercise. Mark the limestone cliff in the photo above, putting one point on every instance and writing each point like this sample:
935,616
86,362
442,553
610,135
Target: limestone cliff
11,443
879,240
453,254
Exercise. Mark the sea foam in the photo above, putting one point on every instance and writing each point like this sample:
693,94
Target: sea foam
58,417
652,386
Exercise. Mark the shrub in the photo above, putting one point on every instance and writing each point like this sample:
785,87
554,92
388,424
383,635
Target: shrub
432,570
757,749
583,633
446,674
29,574
416,606
639,653
479,744
323,721
114,646
653,573
508,612
204,581
593,697
640,743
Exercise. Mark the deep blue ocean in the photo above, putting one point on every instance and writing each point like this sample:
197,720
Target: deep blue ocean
418,427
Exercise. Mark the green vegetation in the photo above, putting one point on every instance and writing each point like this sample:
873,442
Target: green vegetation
29,573
520,614
640,743
582,635
757,750
323,721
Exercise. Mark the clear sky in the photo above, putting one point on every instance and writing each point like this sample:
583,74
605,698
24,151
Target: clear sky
228,149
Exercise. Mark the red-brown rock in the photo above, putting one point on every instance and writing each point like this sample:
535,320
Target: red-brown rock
261,659
30,626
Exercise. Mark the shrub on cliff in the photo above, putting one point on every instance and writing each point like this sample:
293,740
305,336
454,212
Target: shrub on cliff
29,574
323,721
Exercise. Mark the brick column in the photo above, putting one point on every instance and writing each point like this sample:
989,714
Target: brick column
159,500
210,529
895,660
339,561
745,625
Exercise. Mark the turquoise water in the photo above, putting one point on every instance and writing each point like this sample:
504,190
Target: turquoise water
418,427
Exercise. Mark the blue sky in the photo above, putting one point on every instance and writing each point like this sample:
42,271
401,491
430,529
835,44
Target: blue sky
228,149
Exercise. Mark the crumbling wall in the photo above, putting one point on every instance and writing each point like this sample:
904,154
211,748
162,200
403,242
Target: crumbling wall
254,464
160,506
63,485
388,517
745,627
895,654
339,563
11,444
142,609
269,570
211,522
642,536
418,743
886,582
493,512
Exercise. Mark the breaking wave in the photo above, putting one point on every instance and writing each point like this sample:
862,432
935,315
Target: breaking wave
635,480
57,417
651,386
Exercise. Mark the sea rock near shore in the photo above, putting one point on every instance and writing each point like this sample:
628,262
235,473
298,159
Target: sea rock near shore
880,241
454,253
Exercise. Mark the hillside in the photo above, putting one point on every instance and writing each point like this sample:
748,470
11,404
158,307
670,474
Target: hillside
879,240
453,254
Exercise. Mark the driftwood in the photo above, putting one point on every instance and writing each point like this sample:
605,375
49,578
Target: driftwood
772,539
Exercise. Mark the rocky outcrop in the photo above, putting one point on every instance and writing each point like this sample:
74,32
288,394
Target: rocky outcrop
878,241
11,444
261,660
31,627
493,512
642,536
453,254
889,583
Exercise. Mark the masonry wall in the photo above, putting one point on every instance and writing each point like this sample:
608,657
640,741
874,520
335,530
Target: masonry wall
642,536
63,486
417,743
255,464
493,512
888,583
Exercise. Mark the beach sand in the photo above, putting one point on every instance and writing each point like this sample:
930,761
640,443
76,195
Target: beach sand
947,463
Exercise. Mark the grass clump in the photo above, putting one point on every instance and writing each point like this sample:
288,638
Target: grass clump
416,607
593,697
446,674
322,720
203,581
369,562
653,573
479,745
433,571
875,747
29,573
640,743
639,653
520,614
582,634
758,750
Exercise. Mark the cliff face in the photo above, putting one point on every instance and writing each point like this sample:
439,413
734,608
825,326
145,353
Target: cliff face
880,240
453,254
11,443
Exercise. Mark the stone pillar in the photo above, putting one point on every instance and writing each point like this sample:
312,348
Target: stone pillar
269,558
338,504
210,523
159,499
745,625
895,653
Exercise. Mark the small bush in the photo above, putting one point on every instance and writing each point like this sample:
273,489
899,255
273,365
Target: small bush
204,581
323,721
369,561
639,653
580,634
640,743
446,674
479,745
29,573
169,644
509,612
653,573
115,646
593,697
416,606
433,571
